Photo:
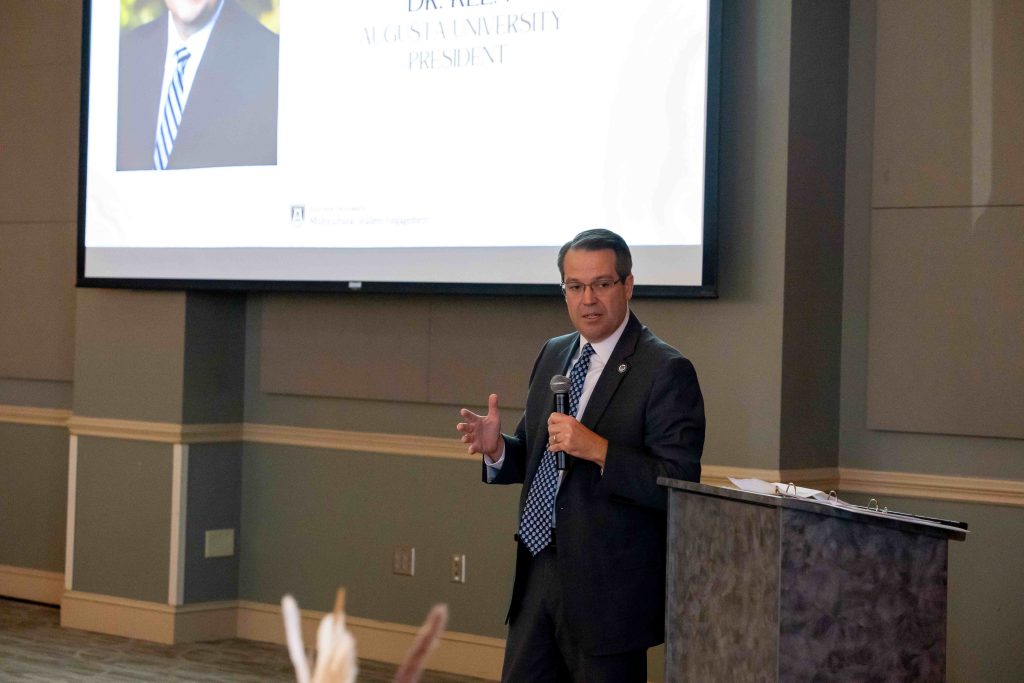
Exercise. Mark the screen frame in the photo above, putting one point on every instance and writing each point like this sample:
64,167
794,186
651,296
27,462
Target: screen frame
708,289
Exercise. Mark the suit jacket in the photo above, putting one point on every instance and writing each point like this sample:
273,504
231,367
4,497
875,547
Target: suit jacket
612,526
230,118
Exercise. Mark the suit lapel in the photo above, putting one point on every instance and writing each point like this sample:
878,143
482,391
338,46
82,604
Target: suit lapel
139,96
565,355
151,96
615,370
204,93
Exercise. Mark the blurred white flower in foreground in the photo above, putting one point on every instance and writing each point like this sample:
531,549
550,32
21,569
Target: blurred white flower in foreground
336,660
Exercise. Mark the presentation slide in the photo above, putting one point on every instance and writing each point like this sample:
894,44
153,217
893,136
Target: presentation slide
394,141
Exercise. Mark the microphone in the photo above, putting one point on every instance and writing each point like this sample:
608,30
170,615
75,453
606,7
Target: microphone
560,388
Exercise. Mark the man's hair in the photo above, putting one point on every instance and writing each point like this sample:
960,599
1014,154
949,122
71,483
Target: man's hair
599,239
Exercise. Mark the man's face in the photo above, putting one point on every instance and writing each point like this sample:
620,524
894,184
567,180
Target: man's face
596,316
191,15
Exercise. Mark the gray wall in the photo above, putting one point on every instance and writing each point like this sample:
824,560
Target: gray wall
214,501
33,488
39,78
909,165
812,313
946,222
320,361
803,359
908,174
156,357
129,359
315,519
123,518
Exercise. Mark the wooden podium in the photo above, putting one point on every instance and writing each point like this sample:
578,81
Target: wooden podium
775,588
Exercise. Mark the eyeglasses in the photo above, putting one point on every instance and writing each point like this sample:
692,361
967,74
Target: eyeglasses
598,287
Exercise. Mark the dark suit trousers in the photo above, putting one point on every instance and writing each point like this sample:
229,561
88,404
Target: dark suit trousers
540,646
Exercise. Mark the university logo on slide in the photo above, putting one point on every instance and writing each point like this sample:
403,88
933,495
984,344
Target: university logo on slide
298,214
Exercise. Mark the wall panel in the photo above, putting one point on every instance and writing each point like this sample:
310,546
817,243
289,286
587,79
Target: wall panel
123,519
37,275
129,354
39,139
949,104
364,347
315,520
946,326
33,486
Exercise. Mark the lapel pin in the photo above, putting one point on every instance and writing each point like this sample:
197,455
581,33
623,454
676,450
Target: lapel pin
623,368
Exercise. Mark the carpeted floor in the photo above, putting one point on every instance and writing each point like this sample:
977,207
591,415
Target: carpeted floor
33,647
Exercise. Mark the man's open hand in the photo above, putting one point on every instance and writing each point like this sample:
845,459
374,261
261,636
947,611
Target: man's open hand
482,433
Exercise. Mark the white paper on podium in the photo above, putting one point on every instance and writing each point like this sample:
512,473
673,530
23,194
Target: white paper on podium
830,498
778,489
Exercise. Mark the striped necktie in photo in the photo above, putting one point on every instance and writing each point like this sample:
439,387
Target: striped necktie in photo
174,105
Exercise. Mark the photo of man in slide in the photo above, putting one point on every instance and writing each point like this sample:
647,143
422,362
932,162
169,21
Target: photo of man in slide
197,88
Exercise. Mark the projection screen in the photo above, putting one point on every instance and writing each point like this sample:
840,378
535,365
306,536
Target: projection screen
396,145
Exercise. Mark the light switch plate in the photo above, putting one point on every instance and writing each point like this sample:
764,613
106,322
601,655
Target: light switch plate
220,543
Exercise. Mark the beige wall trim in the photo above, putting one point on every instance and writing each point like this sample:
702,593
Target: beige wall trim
43,417
206,621
362,442
31,584
179,516
309,437
459,653
155,622
162,432
821,478
69,531
934,487
903,484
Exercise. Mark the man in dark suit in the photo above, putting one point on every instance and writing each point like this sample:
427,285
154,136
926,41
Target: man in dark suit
230,115
589,592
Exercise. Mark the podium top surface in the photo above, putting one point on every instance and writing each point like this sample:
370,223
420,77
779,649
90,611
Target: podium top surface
902,521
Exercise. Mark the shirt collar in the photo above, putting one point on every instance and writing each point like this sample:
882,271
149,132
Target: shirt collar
603,349
196,43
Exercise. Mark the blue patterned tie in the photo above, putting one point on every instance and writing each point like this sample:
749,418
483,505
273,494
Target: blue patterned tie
174,105
535,526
